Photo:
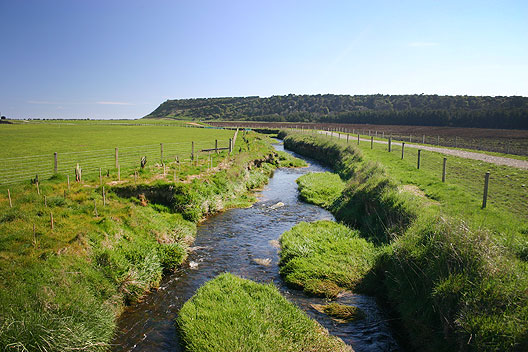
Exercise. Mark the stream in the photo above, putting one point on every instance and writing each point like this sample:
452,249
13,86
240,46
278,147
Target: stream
236,241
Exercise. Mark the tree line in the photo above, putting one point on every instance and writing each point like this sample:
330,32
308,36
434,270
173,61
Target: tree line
423,110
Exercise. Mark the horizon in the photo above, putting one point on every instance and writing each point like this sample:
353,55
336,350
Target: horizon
121,60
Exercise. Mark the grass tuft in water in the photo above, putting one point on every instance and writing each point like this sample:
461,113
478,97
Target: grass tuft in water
233,314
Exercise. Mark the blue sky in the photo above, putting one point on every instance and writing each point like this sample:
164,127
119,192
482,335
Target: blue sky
121,59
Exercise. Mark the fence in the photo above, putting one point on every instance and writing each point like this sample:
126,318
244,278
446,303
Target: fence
508,187
499,144
13,170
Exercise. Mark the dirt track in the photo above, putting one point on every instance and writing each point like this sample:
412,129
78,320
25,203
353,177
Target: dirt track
498,160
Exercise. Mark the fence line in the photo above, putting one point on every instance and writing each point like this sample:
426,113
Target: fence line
25,168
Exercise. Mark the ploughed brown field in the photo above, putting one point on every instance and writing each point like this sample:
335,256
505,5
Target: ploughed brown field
493,140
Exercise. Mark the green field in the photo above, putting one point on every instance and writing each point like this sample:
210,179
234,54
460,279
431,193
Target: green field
28,148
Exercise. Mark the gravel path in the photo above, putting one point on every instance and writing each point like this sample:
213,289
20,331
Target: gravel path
498,160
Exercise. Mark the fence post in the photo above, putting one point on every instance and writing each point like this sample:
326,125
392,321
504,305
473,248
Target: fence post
116,157
216,146
161,152
437,140
444,170
486,183
390,141
371,142
403,149
9,196
358,138
423,139
418,165
230,146
347,137
56,166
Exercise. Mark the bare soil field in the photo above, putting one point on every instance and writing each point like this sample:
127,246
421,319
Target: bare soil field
493,140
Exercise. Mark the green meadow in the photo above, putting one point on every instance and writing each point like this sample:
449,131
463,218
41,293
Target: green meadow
37,137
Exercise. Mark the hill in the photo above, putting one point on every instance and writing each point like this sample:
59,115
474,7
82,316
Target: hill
425,110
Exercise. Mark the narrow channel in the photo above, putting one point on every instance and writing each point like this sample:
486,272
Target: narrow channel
244,242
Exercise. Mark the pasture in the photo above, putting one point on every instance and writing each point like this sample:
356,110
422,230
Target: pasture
28,148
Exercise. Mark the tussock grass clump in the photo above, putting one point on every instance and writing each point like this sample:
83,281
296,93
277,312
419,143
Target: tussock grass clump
321,188
323,258
341,312
456,287
232,314
287,160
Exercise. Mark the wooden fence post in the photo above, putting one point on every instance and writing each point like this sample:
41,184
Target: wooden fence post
486,184
9,196
371,142
230,146
358,138
216,146
390,142
423,139
347,137
56,166
403,149
119,172
116,157
418,165
444,170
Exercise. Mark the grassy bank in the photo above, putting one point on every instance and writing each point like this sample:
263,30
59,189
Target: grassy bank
232,314
62,287
456,276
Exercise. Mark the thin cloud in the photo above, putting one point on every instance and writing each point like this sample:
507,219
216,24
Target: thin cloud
113,103
42,102
422,44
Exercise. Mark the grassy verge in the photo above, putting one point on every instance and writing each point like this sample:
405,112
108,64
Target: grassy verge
456,275
232,314
62,287
324,258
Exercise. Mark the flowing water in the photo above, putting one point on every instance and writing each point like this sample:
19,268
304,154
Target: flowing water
236,241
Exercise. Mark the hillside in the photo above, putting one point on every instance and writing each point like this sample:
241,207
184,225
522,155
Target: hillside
425,110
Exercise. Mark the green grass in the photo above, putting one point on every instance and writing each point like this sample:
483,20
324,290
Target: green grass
341,312
321,188
287,160
454,274
324,258
75,279
232,314
46,138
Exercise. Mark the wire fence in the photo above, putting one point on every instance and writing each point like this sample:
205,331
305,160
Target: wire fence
498,144
14,170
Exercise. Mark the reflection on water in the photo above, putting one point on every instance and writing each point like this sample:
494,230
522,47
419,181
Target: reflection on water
244,242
